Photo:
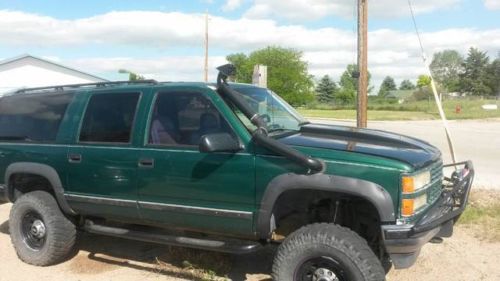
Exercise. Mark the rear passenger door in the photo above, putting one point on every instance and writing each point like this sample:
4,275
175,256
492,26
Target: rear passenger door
102,174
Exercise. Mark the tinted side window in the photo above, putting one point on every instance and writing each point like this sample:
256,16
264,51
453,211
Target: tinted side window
109,118
183,118
32,117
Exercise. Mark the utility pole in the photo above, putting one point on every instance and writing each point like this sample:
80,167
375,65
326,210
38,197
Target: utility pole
206,47
362,101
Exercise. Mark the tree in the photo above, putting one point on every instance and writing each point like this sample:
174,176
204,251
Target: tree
407,85
387,85
326,89
287,72
446,68
240,61
423,81
474,78
349,85
493,77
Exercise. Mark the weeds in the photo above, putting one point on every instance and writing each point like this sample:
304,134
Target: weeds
482,215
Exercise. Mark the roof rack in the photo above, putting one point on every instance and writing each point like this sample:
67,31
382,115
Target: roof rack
85,85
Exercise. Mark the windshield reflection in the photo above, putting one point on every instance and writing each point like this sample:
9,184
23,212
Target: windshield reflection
276,112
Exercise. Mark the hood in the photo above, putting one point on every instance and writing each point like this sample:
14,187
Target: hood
412,151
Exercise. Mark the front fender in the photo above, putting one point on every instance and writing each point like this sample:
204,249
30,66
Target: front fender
369,191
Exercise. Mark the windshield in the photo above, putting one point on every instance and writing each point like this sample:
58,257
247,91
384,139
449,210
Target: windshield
276,112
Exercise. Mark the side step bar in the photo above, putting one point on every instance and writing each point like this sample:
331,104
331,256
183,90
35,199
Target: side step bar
232,246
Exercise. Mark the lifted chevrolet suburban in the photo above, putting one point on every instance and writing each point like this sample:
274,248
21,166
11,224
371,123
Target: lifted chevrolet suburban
225,167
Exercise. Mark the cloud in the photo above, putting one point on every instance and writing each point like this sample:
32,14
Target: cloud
187,68
231,5
300,10
328,50
492,4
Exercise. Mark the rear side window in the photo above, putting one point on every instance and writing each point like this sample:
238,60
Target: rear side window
32,117
109,118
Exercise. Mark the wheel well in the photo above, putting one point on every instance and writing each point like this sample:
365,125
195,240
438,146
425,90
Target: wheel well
22,183
296,208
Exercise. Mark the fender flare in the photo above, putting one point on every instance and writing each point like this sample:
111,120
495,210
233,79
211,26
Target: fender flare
40,170
367,190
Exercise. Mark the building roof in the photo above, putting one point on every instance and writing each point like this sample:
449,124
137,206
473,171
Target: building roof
32,60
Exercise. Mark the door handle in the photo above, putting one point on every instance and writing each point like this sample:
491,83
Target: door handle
146,163
74,158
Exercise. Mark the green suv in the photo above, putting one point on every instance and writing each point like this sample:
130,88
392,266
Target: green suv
225,167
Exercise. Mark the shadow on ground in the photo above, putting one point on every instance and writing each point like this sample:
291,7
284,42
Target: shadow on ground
177,262
95,254
4,228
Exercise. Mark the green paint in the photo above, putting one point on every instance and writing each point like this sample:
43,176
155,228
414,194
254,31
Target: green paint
181,175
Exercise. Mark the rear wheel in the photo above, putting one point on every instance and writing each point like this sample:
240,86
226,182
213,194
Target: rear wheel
39,231
326,252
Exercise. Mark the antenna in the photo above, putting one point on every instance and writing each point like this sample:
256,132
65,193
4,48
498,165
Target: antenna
206,47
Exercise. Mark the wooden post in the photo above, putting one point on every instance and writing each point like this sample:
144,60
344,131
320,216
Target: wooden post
362,101
206,48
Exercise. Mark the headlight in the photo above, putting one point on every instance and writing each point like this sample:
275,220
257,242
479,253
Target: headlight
414,183
410,206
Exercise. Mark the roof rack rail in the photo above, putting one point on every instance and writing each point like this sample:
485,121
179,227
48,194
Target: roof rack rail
76,86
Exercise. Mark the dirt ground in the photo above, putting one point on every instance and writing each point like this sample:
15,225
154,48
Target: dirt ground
463,257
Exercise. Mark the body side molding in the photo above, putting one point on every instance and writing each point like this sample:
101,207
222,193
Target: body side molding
160,206
41,170
369,191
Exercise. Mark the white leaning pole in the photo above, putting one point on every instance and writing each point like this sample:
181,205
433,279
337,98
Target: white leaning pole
443,116
434,91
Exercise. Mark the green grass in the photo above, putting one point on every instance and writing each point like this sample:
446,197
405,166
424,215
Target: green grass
482,215
419,110
372,114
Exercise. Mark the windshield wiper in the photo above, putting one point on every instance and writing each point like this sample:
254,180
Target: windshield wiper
304,123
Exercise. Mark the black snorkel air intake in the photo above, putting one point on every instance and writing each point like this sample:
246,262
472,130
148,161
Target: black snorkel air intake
260,134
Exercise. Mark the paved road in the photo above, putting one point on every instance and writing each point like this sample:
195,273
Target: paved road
476,140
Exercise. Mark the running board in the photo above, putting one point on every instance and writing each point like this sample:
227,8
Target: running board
232,246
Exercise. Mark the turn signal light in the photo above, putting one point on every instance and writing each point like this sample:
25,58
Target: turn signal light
408,185
410,206
407,207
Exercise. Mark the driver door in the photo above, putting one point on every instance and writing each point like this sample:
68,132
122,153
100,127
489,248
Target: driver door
182,187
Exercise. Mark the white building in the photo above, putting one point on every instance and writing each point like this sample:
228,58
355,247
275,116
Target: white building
27,71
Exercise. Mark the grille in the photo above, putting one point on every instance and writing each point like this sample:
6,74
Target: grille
434,191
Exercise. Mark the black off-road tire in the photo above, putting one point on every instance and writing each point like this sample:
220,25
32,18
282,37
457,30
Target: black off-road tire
60,232
317,246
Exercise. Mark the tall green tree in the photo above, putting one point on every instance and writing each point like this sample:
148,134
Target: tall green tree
326,90
387,85
240,61
474,78
287,72
493,77
349,85
407,85
446,68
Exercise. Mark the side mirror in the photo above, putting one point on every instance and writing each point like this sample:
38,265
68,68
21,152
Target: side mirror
219,142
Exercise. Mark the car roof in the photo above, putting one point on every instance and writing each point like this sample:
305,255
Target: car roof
121,85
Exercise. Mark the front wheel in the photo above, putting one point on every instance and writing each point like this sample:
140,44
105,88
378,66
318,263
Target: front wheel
326,252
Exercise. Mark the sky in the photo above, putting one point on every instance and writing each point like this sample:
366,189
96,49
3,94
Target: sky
164,40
